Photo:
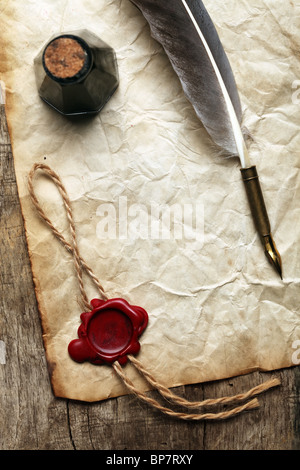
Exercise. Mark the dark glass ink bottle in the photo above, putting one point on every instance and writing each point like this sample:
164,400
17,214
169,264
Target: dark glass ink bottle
76,73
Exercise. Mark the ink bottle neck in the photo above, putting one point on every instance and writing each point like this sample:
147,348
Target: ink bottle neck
67,59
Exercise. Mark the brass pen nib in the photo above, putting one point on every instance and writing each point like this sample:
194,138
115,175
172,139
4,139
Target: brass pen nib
260,216
272,253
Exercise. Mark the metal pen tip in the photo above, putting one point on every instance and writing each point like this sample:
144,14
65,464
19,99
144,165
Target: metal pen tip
272,253
260,216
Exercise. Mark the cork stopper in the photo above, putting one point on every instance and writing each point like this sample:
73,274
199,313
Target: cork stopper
65,58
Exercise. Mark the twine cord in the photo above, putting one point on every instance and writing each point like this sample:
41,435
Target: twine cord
80,264
80,267
181,415
169,395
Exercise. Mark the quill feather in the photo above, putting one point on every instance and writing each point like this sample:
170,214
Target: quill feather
189,38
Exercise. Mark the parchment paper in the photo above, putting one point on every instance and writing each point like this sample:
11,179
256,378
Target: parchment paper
216,307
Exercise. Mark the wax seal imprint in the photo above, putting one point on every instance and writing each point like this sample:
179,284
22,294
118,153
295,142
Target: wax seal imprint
109,332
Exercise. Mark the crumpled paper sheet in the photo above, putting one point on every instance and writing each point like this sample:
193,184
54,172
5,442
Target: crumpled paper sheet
216,307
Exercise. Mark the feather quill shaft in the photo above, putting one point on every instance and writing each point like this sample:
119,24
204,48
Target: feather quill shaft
236,129
188,35
190,39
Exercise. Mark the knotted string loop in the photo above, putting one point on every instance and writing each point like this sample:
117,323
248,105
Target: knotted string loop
72,247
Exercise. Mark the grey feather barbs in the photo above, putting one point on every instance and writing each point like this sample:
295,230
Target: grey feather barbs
189,38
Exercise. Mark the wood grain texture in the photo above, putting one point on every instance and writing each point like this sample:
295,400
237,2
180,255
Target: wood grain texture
31,418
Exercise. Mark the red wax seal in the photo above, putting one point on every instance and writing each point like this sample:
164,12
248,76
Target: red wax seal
109,332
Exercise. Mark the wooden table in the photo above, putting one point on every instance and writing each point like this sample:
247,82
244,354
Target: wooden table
31,418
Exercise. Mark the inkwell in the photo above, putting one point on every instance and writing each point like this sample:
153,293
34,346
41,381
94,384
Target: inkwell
76,73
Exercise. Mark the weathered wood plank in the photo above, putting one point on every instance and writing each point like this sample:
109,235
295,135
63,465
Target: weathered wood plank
269,427
27,407
31,418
